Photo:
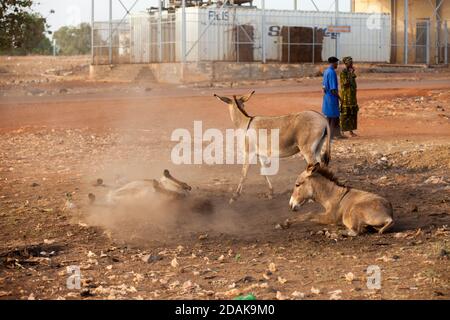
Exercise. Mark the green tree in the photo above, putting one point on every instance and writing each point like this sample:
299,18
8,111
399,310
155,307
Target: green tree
22,31
34,39
44,47
73,40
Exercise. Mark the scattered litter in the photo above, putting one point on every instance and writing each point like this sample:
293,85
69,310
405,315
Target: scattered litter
350,277
174,263
203,237
283,226
150,258
272,267
298,295
315,290
282,280
335,295
280,296
435,180
245,297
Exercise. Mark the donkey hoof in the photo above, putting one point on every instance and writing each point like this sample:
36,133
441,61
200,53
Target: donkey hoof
352,233
232,200
270,196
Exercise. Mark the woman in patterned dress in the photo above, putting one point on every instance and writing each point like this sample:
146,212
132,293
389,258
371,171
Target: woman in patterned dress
349,104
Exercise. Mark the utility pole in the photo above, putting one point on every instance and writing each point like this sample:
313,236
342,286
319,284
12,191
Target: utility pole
428,42
183,30
263,30
54,47
160,51
92,31
336,22
406,5
446,43
110,33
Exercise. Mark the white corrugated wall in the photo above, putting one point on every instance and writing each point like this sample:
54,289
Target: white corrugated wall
140,38
210,34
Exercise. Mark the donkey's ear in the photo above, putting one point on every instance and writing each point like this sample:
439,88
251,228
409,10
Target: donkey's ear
224,99
247,97
167,174
313,168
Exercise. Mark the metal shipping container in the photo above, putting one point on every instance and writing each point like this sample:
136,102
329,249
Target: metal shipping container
236,33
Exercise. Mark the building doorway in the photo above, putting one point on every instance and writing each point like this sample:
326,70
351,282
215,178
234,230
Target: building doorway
422,41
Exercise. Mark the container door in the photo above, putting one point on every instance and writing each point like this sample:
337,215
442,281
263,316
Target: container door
422,42
244,40
302,44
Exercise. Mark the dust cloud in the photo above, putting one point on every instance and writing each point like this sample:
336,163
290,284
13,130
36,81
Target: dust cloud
133,155
140,148
161,217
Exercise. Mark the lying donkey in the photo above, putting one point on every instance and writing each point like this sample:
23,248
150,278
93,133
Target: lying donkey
304,132
142,189
354,208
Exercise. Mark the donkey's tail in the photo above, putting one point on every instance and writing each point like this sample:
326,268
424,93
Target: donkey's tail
326,157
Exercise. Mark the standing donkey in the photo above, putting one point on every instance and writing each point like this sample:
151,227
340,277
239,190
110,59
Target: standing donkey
304,132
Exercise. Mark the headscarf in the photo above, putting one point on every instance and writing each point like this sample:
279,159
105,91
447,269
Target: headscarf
347,60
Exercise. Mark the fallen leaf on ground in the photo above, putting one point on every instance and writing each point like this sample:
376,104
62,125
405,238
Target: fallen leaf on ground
350,277
272,267
282,280
315,290
298,295
335,295
174,263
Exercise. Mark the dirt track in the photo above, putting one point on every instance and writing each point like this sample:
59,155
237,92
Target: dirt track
58,144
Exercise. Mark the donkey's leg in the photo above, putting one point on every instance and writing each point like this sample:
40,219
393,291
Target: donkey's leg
311,148
308,153
318,150
238,192
264,165
319,218
324,218
353,224
244,173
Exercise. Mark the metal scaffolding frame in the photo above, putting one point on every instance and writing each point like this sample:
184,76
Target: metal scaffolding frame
186,53
406,36
111,30
441,45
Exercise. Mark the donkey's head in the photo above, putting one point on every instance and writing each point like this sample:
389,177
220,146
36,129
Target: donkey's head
303,190
236,101
169,183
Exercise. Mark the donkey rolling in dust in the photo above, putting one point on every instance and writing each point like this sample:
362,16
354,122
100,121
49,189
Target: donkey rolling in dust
167,190
356,209
134,191
304,133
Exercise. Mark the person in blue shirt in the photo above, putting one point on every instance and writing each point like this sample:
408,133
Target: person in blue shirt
330,86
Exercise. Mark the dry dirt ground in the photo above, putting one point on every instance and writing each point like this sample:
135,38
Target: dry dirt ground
61,132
